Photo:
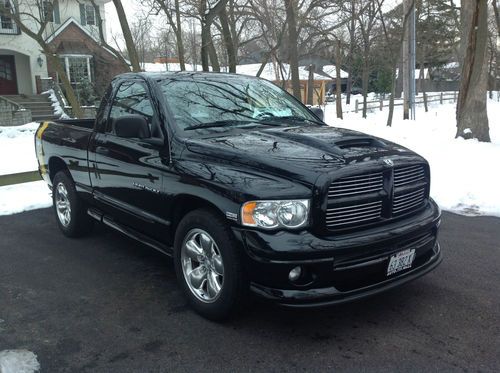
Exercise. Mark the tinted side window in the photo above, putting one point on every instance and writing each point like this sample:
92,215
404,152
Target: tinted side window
132,98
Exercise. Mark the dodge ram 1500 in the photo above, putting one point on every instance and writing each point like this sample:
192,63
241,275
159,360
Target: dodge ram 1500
246,188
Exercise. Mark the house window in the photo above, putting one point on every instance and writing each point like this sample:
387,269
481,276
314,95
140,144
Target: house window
6,70
90,14
78,68
87,14
49,12
6,23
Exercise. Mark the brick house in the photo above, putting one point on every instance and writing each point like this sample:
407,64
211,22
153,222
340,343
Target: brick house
73,35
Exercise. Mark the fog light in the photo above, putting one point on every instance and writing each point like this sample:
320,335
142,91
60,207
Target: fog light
295,273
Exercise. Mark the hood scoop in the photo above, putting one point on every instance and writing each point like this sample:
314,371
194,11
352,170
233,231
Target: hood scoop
359,142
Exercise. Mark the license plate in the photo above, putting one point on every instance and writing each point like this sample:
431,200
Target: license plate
400,261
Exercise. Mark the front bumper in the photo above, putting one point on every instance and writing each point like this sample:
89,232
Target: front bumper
341,268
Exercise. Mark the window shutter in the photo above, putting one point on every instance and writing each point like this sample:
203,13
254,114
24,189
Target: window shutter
57,17
83,19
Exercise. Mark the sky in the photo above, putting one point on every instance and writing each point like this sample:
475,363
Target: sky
113,24
132,8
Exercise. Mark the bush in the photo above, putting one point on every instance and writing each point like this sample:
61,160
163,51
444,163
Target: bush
85,92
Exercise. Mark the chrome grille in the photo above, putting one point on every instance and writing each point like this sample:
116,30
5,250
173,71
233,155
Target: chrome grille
359,200
405,202
353,185
408,175
339,217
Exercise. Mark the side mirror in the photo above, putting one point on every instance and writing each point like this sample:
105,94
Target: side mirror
132,126
318,112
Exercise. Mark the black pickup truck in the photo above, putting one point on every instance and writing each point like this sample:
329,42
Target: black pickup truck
246,188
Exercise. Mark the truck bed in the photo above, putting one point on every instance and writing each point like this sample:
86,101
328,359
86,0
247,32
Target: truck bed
84,123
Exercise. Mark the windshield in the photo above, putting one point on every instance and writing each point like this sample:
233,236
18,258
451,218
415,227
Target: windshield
201,101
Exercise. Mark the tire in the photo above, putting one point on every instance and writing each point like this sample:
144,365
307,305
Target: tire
70,210
216,266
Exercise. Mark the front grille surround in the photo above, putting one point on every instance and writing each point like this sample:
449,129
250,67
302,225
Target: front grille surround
377,196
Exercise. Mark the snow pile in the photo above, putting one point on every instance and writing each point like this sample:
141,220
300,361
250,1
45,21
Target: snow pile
465,174
56,105
18,361
17,148
17,154
331,70
23,197
274,72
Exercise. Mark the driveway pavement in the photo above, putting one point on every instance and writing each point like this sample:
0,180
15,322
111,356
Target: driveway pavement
105,303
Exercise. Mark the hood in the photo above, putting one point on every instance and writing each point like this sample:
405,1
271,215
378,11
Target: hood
295,150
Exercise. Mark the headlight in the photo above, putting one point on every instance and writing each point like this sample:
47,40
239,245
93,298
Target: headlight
275,214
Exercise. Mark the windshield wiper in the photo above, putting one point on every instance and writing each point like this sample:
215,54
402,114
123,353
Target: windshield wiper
220,123
224,123
292,118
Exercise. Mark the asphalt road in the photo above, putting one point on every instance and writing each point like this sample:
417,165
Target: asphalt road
107,304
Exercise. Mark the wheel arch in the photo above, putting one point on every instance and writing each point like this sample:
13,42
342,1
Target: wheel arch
56,164
185,203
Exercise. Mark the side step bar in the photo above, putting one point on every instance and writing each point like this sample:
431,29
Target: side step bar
130,232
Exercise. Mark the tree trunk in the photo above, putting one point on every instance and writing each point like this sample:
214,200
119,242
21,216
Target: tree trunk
310,85
365,77
393,93
421,83
497,16
127,35
351,53
228,41
338,80
406,59
178,36
472,117
214,60
205,41
292,48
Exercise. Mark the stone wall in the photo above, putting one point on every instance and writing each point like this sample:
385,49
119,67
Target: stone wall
12,115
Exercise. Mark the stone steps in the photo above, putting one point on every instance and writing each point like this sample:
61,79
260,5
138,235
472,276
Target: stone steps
39,105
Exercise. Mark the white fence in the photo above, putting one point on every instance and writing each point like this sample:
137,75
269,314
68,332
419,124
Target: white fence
383,102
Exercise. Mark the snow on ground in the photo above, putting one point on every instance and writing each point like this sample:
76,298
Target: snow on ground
23,197
465,174
17,149
17,154
18,361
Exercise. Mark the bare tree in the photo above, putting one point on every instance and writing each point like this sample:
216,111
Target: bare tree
367,19
207,16
172,10
127,35
472,117
102,39
293,56
142,37
33,21
338,78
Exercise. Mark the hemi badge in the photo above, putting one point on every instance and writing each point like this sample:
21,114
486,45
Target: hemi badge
231,216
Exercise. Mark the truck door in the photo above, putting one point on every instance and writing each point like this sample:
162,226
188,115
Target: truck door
127,172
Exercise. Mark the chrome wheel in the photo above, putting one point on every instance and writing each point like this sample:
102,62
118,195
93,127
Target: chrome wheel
63,206
202,265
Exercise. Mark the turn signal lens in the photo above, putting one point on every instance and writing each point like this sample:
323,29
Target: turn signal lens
247,214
